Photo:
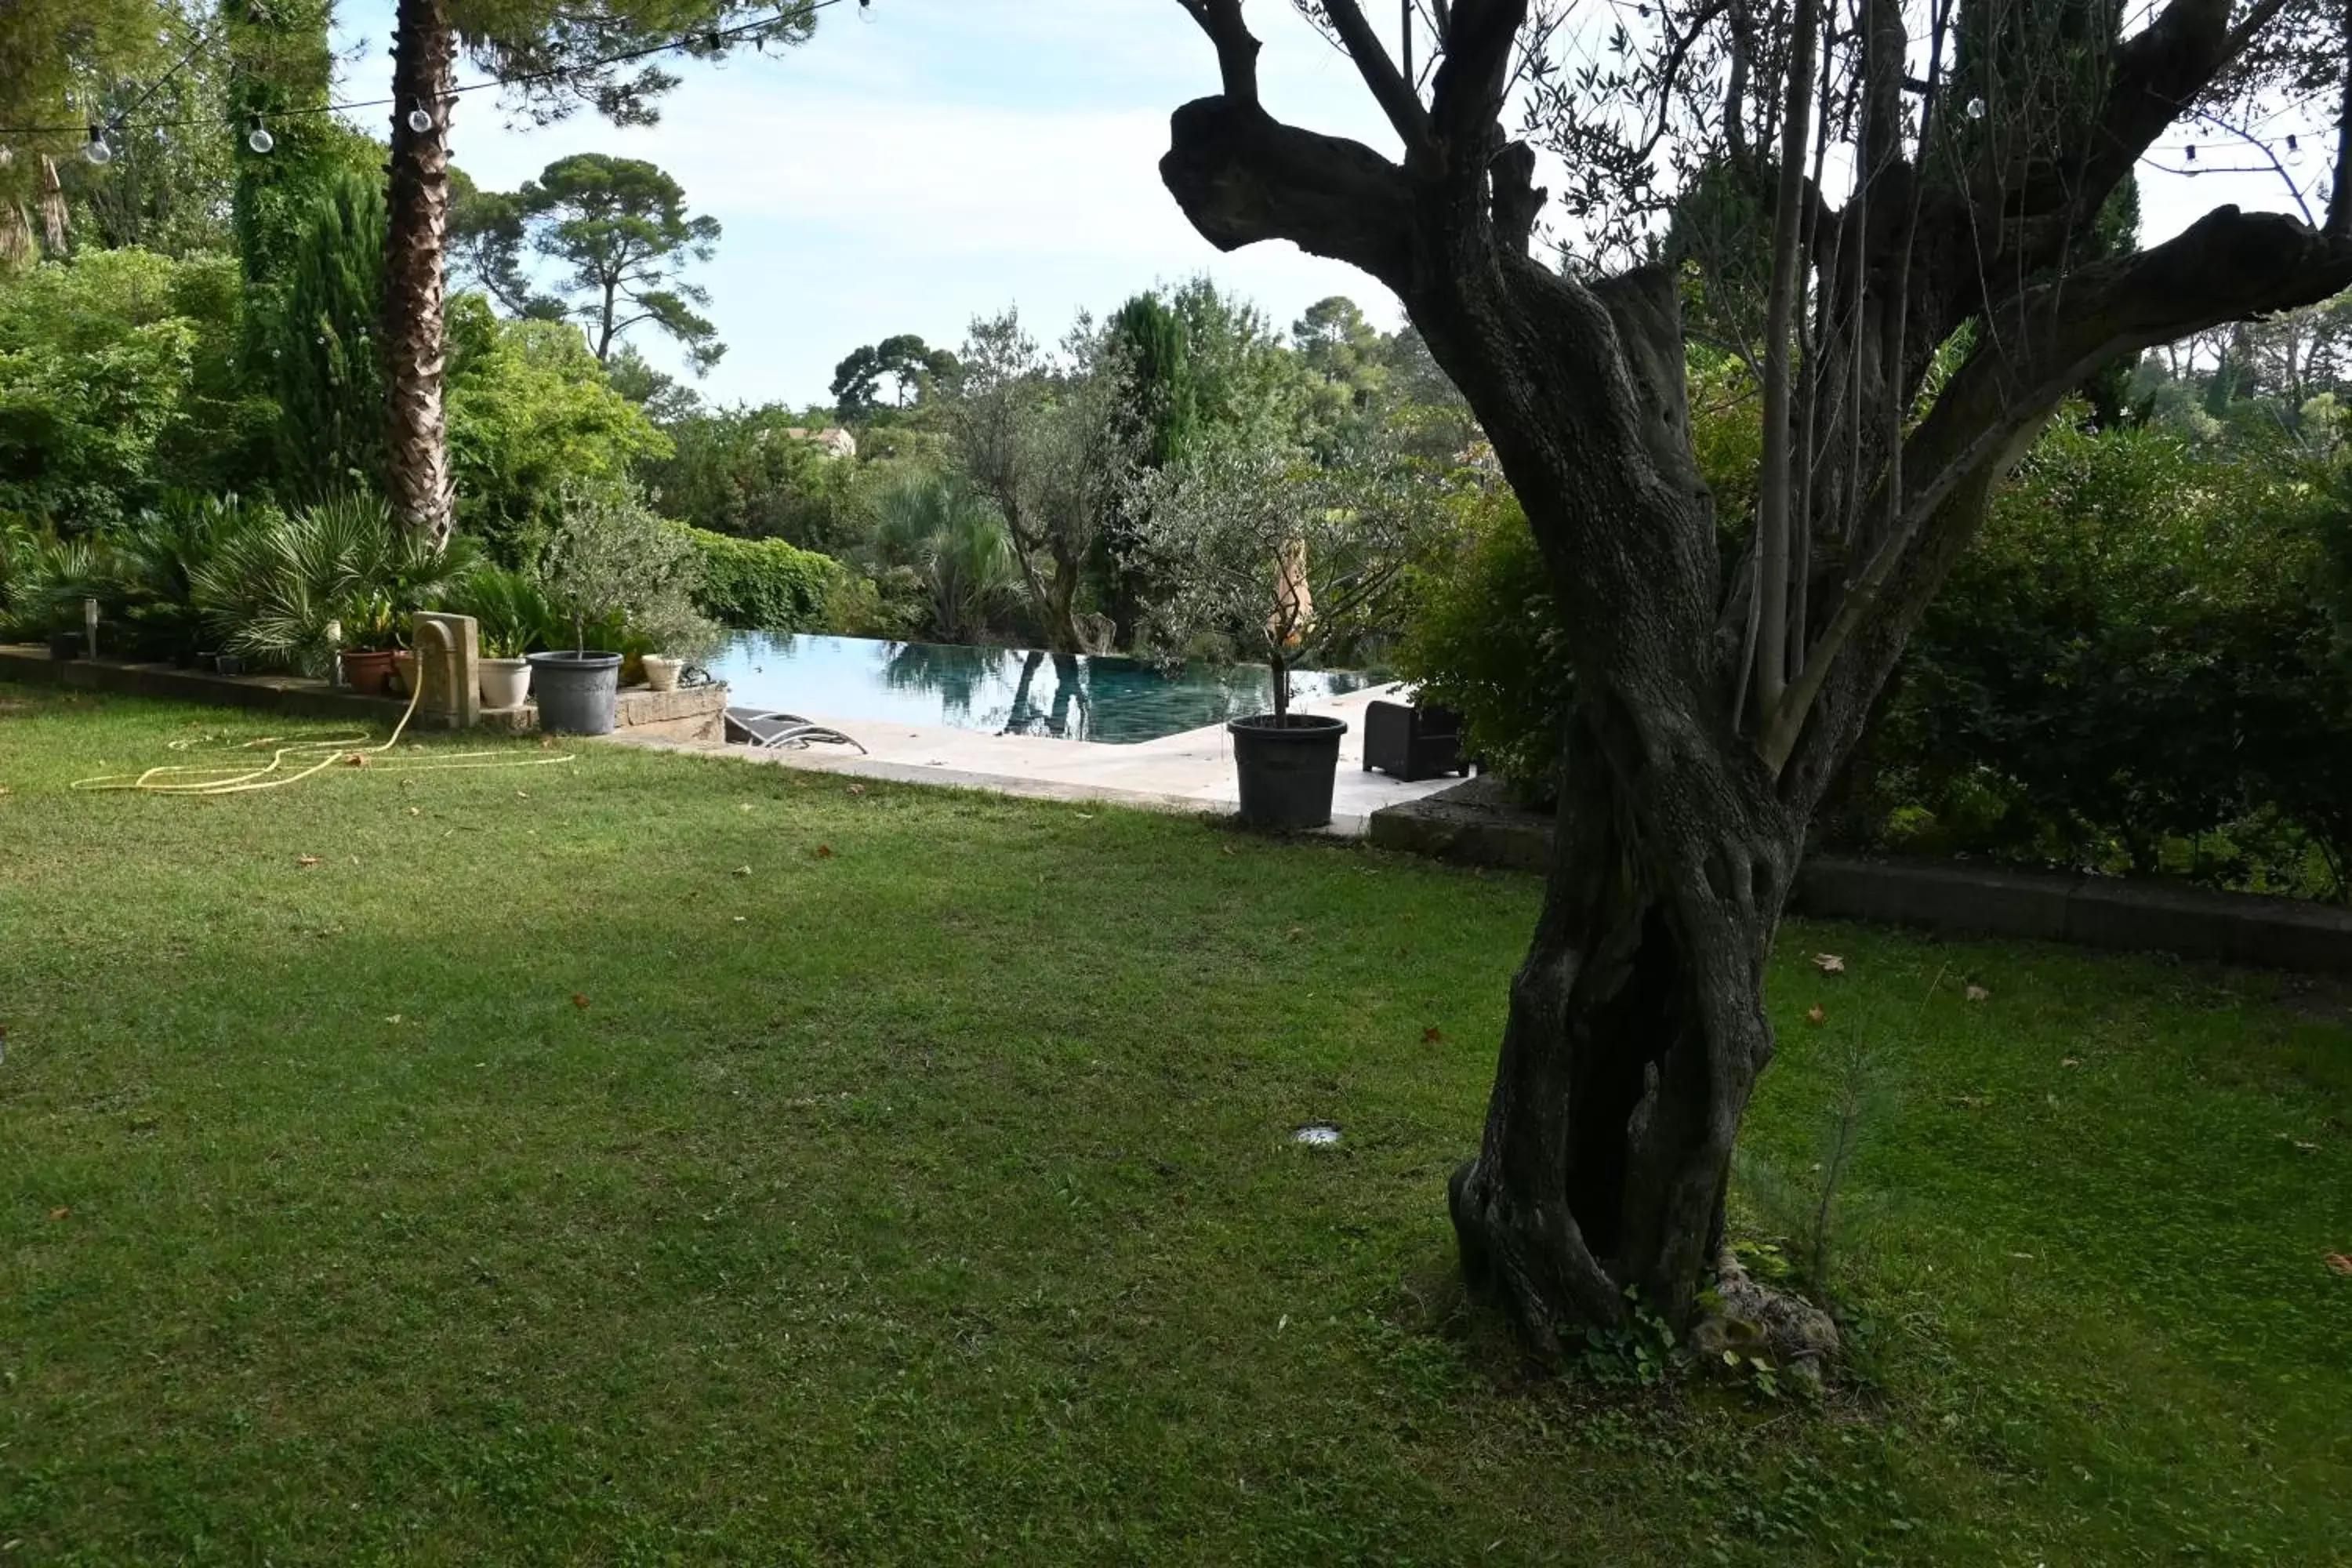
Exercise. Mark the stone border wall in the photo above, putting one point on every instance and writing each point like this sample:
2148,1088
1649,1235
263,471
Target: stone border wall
1475,824
690,713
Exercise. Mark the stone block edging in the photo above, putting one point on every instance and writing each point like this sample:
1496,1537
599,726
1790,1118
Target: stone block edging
1480,826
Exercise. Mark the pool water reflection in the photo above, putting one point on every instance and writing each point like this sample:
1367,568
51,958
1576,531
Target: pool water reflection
1000,691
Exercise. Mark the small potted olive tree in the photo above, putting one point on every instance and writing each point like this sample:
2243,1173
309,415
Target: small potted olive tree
614,566
1252,540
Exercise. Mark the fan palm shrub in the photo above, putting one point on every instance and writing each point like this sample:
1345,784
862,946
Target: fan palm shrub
953,539
511,612
270,593
160,556
47,579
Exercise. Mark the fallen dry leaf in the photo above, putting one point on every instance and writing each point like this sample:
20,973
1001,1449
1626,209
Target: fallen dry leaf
59,1214
1977,994
1432,1035
2071,1062
742,870
825,851
579,999
2305,1147
522,794
2335,1260
305,860
1829,962
361,759
858,789
1813,1014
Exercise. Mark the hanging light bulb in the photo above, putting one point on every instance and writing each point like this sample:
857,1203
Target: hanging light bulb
2294,149
1976,109
2192,152
258,138
420,119
96,150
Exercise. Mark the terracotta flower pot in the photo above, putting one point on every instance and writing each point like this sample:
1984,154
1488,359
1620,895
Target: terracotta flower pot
369,674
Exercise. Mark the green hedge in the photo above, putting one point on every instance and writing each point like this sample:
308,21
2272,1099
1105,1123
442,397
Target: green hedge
761,584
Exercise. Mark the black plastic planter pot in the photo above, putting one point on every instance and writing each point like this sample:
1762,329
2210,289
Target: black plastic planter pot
576,692
64,646
1286,767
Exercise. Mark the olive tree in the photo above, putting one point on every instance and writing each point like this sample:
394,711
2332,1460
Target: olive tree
1900,200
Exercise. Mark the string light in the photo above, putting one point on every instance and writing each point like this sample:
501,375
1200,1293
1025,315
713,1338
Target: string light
420,119
1976,109
96,150
258,138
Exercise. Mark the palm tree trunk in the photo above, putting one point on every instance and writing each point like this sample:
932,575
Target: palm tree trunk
424,72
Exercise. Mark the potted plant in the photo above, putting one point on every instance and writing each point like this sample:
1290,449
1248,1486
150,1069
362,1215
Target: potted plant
662,672
612,562
371,635
1254,540
509,613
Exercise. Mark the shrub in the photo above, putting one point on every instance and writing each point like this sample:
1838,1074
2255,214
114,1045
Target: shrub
2133,670
511,612
117,382
1484,639
952,537
759,585
160,554
531,411
616,567
270,590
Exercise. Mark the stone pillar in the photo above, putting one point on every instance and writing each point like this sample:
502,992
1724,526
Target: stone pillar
448,668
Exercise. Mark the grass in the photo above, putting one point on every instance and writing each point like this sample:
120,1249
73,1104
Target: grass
650,1158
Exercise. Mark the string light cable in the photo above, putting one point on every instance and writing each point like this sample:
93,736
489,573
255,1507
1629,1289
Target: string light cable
708,39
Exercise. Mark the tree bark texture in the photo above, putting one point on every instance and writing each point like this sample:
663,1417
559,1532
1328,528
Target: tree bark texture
424,73
1636,1027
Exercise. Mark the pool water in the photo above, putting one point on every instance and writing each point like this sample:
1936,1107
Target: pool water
1000,691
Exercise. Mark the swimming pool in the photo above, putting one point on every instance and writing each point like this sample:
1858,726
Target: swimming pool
998,690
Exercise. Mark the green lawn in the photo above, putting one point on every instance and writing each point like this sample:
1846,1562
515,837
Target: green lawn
525,1182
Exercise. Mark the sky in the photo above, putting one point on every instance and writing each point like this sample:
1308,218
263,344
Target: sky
926,161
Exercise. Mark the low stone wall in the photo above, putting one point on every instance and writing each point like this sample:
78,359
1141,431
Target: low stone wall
690,714
274,693
1478,824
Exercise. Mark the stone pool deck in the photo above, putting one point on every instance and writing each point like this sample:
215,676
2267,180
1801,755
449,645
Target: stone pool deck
1189,772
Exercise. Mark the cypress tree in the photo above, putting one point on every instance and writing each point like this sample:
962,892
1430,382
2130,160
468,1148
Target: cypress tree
323,363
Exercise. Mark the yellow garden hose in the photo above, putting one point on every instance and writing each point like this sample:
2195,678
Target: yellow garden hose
305,757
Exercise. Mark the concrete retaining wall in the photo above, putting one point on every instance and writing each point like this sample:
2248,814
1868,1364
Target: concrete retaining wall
1475,824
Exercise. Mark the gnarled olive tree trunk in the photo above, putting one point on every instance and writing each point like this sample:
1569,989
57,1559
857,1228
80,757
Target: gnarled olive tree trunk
1706,733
